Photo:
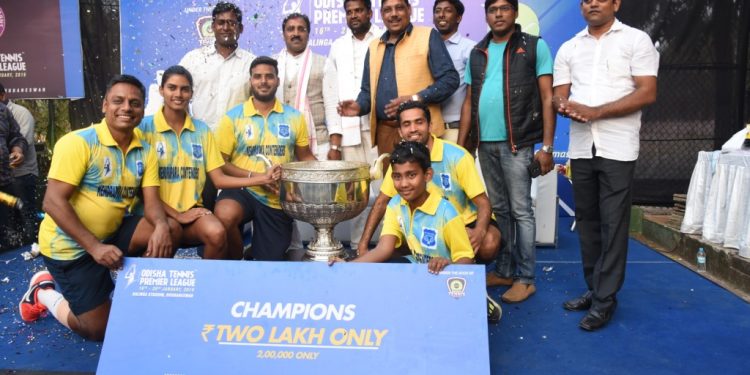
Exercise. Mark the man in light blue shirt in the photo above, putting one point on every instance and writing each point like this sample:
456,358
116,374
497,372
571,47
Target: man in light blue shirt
446,15
507,110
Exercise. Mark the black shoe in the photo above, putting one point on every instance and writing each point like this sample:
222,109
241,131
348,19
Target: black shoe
596,319
580,303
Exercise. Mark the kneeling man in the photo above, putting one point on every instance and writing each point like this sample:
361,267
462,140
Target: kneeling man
94,177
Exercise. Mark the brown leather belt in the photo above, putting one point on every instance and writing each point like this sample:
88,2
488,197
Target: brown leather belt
389,123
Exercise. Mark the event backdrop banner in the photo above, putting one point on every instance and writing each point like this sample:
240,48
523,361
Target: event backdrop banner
40,49
220,317
156,34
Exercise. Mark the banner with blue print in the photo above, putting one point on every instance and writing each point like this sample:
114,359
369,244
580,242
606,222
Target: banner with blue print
219,317
40,49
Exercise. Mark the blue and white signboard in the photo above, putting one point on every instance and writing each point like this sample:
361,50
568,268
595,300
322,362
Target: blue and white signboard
223,317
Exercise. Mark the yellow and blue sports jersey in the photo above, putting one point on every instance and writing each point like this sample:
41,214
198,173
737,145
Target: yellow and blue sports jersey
455,175
435,229
184,159
107,181
243,133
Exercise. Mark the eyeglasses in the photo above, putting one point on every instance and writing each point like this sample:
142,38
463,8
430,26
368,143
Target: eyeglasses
502,9
229,23
291,29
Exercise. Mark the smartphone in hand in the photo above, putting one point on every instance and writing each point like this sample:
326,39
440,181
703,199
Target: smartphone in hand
535,168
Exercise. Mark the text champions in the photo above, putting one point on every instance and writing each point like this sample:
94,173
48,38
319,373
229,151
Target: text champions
293,311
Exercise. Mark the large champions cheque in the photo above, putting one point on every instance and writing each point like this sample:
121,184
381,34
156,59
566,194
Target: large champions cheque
218,317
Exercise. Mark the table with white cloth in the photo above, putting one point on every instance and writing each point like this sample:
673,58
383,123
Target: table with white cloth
718,200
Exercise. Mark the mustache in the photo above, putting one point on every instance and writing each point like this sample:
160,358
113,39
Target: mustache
299,38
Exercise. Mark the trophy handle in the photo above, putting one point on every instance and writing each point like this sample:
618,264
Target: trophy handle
376,170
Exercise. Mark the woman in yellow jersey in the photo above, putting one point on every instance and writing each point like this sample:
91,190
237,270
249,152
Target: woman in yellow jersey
187,153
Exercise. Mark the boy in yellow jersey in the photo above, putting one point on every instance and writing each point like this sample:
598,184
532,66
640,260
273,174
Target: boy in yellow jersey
427,222
455,177
187,154
94,177
249,136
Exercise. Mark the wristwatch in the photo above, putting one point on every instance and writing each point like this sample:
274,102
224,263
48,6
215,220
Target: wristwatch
547,149
336,148
415,98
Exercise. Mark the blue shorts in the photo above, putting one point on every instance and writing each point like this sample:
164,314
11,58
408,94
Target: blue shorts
84,283
272,228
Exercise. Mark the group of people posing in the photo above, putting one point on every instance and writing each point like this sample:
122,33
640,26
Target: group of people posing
432,99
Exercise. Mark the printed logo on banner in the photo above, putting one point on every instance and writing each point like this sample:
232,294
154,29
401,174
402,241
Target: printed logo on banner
284,131
205,33
456,287
429,238
197,152
445,181
291,6
2,22
162,283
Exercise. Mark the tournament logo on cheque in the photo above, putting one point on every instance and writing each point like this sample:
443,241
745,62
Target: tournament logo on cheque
161,283
130,275
456,287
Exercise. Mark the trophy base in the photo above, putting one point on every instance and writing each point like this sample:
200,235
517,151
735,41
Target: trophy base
324,256
324,246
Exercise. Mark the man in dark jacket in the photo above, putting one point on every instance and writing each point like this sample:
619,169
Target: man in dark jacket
508,109
12,147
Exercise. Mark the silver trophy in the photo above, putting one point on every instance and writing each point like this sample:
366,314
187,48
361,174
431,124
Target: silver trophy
324,193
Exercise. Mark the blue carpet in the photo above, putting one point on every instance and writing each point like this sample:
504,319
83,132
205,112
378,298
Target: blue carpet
44,345
670,321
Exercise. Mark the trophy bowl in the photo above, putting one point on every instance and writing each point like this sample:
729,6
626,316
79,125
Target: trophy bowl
324,193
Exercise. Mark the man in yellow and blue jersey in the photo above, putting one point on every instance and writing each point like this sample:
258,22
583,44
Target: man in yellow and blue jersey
94,177
424,220
260,131
455,177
